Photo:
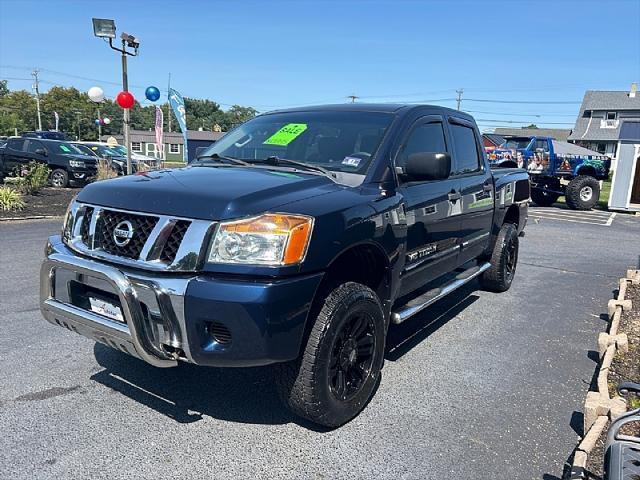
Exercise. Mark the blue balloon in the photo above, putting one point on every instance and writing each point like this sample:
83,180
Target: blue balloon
97,121
152,94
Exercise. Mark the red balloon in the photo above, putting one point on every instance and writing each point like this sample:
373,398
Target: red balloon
125,99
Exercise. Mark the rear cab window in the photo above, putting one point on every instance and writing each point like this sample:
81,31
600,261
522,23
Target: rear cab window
467,158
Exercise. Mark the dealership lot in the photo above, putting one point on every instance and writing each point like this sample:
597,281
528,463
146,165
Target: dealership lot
591,217
479,386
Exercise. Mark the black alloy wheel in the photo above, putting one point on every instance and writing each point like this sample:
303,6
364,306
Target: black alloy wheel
352,356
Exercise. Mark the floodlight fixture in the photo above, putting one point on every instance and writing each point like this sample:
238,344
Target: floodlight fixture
104,28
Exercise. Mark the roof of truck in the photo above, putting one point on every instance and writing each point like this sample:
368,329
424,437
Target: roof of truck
371,107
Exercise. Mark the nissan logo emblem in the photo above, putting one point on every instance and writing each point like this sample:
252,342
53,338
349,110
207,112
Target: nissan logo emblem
123,233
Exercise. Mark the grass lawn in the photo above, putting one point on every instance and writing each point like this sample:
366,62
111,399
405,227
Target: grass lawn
174,164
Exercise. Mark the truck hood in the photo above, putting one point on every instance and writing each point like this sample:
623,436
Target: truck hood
208,193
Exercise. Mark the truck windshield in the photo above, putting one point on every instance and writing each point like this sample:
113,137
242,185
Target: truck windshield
338,141
518,143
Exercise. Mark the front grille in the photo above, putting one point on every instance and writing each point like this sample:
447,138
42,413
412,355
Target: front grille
142,227
86,223
173,242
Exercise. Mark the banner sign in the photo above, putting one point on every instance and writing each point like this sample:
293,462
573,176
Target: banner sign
177,104
57,117
159,132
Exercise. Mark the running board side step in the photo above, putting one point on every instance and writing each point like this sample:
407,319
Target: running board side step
423,301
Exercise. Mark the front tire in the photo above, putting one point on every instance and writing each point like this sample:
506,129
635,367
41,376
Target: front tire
583,193
340,366
543,198
504,260
59,178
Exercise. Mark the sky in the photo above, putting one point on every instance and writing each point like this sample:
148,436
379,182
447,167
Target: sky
274,54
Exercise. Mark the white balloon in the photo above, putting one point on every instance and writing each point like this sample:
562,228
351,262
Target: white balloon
96,94
106,121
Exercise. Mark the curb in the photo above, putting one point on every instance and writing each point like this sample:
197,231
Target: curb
599,407
33,217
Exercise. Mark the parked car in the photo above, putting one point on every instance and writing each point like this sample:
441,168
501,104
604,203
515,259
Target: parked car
296,240
137,158
67,164
556,168
46,134
147,160
102,151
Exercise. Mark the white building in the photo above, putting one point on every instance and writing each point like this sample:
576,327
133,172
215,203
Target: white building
601,114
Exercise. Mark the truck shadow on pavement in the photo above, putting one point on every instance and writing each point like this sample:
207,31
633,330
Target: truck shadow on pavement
404,337
187,393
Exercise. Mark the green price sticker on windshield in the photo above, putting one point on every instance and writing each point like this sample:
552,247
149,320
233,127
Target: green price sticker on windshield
286,134
64,148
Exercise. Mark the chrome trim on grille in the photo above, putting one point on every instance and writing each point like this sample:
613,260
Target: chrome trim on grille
189,257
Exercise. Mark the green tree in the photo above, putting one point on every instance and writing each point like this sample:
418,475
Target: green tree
78,114
4,90
18,110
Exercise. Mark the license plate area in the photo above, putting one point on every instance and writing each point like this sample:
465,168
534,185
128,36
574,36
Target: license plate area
106,309
96,300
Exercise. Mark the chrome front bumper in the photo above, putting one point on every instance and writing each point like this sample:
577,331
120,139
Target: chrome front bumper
153,307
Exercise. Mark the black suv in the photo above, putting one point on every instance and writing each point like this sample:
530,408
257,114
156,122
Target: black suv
67,163
46,134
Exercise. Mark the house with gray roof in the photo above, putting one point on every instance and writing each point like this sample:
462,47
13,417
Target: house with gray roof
601,115
556,133
144,142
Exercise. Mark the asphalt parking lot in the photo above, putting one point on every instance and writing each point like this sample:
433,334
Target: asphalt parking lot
481,385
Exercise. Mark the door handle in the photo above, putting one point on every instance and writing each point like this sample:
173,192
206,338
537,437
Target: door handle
454,196
487,187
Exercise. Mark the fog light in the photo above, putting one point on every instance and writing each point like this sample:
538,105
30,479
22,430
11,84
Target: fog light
219,333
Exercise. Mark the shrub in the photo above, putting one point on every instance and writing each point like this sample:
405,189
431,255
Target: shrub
33,177
105,171
10,199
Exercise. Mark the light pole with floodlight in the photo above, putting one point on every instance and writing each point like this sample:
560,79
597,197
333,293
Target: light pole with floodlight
105,28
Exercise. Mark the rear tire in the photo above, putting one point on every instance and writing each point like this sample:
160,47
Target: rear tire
60,178
583,192
340,365
542,198
504,260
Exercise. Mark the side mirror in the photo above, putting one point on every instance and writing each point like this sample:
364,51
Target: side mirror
41,151
428,166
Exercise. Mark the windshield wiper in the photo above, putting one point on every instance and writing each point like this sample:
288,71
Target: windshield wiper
217,156
276,161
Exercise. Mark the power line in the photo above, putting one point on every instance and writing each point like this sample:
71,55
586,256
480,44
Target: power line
531,102
517,121
537,115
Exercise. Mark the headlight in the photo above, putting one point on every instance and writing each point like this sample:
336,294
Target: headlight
270,239
76,163
67,225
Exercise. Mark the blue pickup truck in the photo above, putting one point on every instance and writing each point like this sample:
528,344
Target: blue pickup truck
295,240
556,169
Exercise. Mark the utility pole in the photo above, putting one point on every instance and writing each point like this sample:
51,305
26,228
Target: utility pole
168,104
36,87
353,98
99,126
78,113
127,112
459,99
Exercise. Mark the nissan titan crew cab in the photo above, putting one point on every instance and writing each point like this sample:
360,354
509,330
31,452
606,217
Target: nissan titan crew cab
295,240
